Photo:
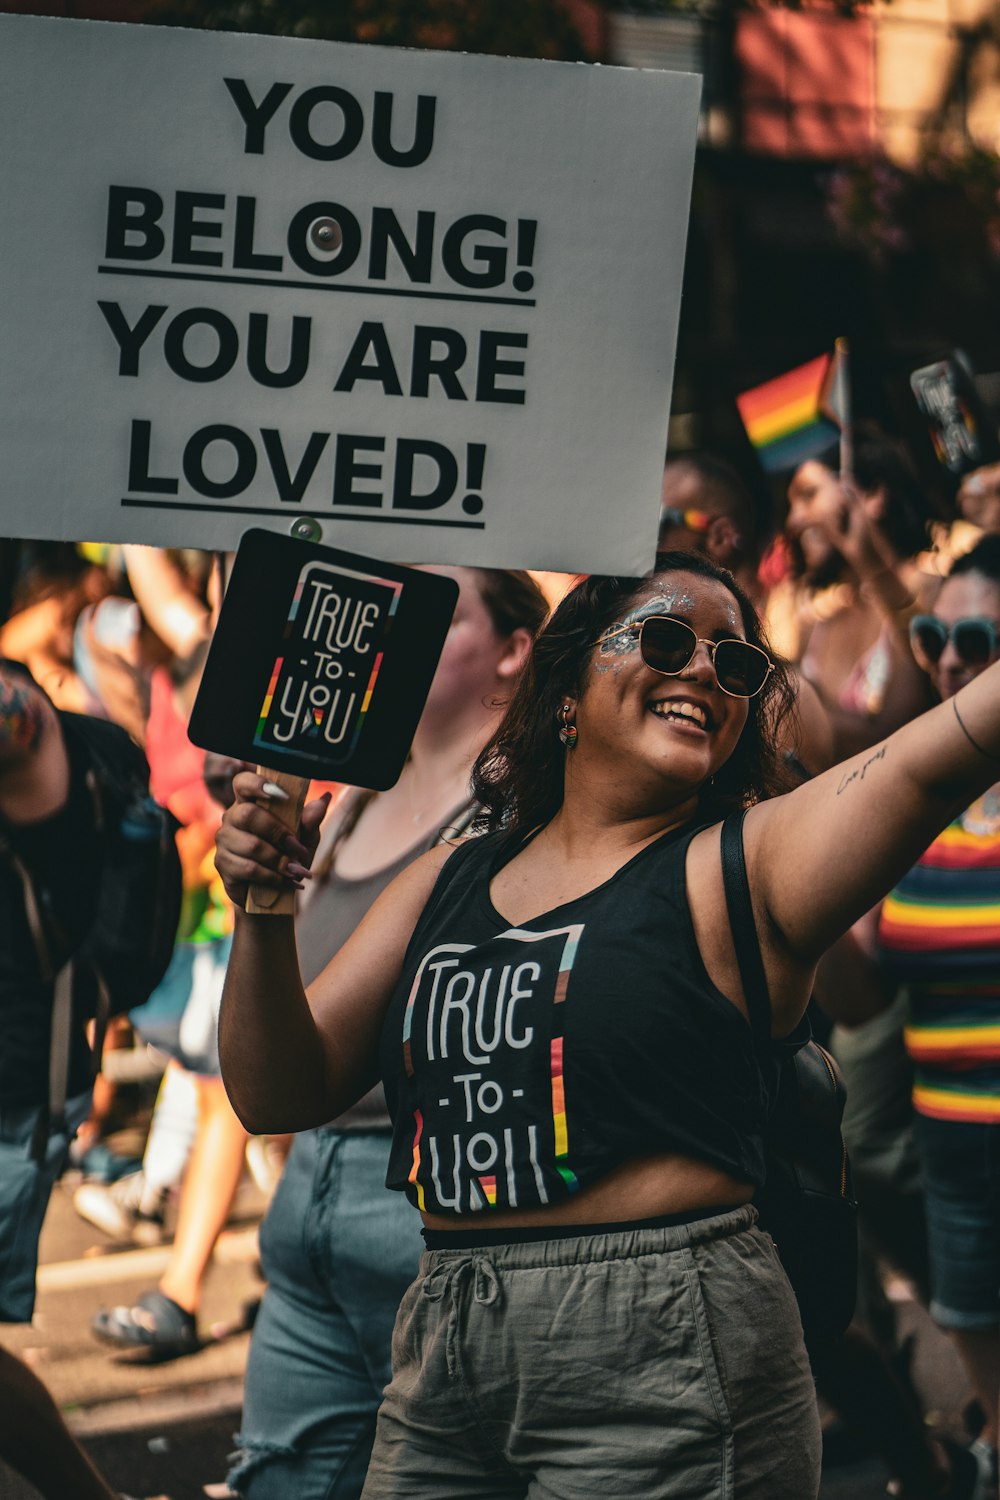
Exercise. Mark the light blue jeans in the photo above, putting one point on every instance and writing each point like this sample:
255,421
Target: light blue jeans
960,1165
338,1251
25,1188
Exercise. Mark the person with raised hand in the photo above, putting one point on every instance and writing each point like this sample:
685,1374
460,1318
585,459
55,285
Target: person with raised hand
853,545
556,1013
337,1250
939,937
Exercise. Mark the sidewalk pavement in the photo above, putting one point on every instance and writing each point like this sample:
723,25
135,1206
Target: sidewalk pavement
152,1428
168,1428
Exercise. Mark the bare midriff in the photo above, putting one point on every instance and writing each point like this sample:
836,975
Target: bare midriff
644,1188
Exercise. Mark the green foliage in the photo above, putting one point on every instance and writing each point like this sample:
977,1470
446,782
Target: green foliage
949,204
511,28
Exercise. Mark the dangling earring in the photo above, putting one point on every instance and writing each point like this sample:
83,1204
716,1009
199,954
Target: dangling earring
567,733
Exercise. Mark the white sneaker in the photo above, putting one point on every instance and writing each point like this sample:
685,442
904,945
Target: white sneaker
127,1210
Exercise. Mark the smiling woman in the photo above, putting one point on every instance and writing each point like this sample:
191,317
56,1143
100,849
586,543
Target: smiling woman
520,775
557,1014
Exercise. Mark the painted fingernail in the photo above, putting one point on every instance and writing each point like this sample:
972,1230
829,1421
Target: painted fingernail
298,872
277,793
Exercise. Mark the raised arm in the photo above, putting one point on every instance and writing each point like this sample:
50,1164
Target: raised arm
828,851
841,512
290,1059
180,619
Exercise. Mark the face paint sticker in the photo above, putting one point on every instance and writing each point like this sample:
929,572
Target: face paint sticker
628,640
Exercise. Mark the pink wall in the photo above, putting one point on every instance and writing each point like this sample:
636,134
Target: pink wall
807,82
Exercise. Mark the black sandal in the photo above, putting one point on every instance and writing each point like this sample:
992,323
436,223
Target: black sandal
155,1323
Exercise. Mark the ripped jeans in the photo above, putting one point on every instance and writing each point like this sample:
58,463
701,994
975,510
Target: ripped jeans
338,1252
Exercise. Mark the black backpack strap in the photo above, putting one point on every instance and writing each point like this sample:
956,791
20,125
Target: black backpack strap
744,928
61,978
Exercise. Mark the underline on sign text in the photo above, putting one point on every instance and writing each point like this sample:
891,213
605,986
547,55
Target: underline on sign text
259,510
316,286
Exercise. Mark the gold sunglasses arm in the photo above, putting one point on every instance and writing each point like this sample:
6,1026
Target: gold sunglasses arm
619,630
636,628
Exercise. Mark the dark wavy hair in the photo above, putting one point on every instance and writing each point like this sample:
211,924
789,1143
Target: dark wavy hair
518,778
881,463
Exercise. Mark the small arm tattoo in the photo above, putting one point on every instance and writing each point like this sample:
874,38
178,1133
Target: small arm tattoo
859,773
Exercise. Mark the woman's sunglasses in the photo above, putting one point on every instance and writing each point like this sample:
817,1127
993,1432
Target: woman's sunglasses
668,646
974,639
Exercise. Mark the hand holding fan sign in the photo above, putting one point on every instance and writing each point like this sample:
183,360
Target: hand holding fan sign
319,668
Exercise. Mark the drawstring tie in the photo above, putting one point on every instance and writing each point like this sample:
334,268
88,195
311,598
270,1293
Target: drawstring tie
448,1279
450,1276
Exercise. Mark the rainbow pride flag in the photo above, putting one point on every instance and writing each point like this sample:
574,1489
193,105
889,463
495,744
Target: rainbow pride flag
798,415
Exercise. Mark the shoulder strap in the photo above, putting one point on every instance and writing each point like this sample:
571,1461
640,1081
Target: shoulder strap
353,804
61,980
347,811
476,851
33,912
744,928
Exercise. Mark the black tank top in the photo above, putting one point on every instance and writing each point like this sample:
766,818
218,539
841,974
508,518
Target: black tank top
524,1063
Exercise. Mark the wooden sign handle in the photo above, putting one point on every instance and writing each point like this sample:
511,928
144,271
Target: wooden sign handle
266,900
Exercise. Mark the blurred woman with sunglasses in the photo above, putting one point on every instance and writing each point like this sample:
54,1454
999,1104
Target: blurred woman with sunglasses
939,934
852,549
556,1012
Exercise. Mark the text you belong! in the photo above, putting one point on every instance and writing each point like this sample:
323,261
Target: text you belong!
393,252
324,239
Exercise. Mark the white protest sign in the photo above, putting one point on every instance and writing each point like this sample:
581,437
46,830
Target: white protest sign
429,300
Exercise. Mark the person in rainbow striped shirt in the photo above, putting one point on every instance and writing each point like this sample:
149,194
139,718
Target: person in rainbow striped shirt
939,933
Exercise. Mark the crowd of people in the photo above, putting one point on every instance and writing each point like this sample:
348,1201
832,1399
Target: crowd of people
511,993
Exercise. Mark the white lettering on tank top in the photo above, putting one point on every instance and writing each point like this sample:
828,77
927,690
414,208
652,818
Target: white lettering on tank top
483,1042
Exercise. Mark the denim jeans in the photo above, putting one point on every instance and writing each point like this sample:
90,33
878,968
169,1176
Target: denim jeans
338,1252
25,1188
960,1161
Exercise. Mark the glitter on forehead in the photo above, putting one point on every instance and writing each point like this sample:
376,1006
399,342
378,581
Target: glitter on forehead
662,604
683,601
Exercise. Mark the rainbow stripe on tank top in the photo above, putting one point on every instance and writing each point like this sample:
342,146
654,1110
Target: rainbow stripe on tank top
939,933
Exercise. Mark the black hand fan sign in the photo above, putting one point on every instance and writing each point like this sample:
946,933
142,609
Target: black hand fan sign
321,661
